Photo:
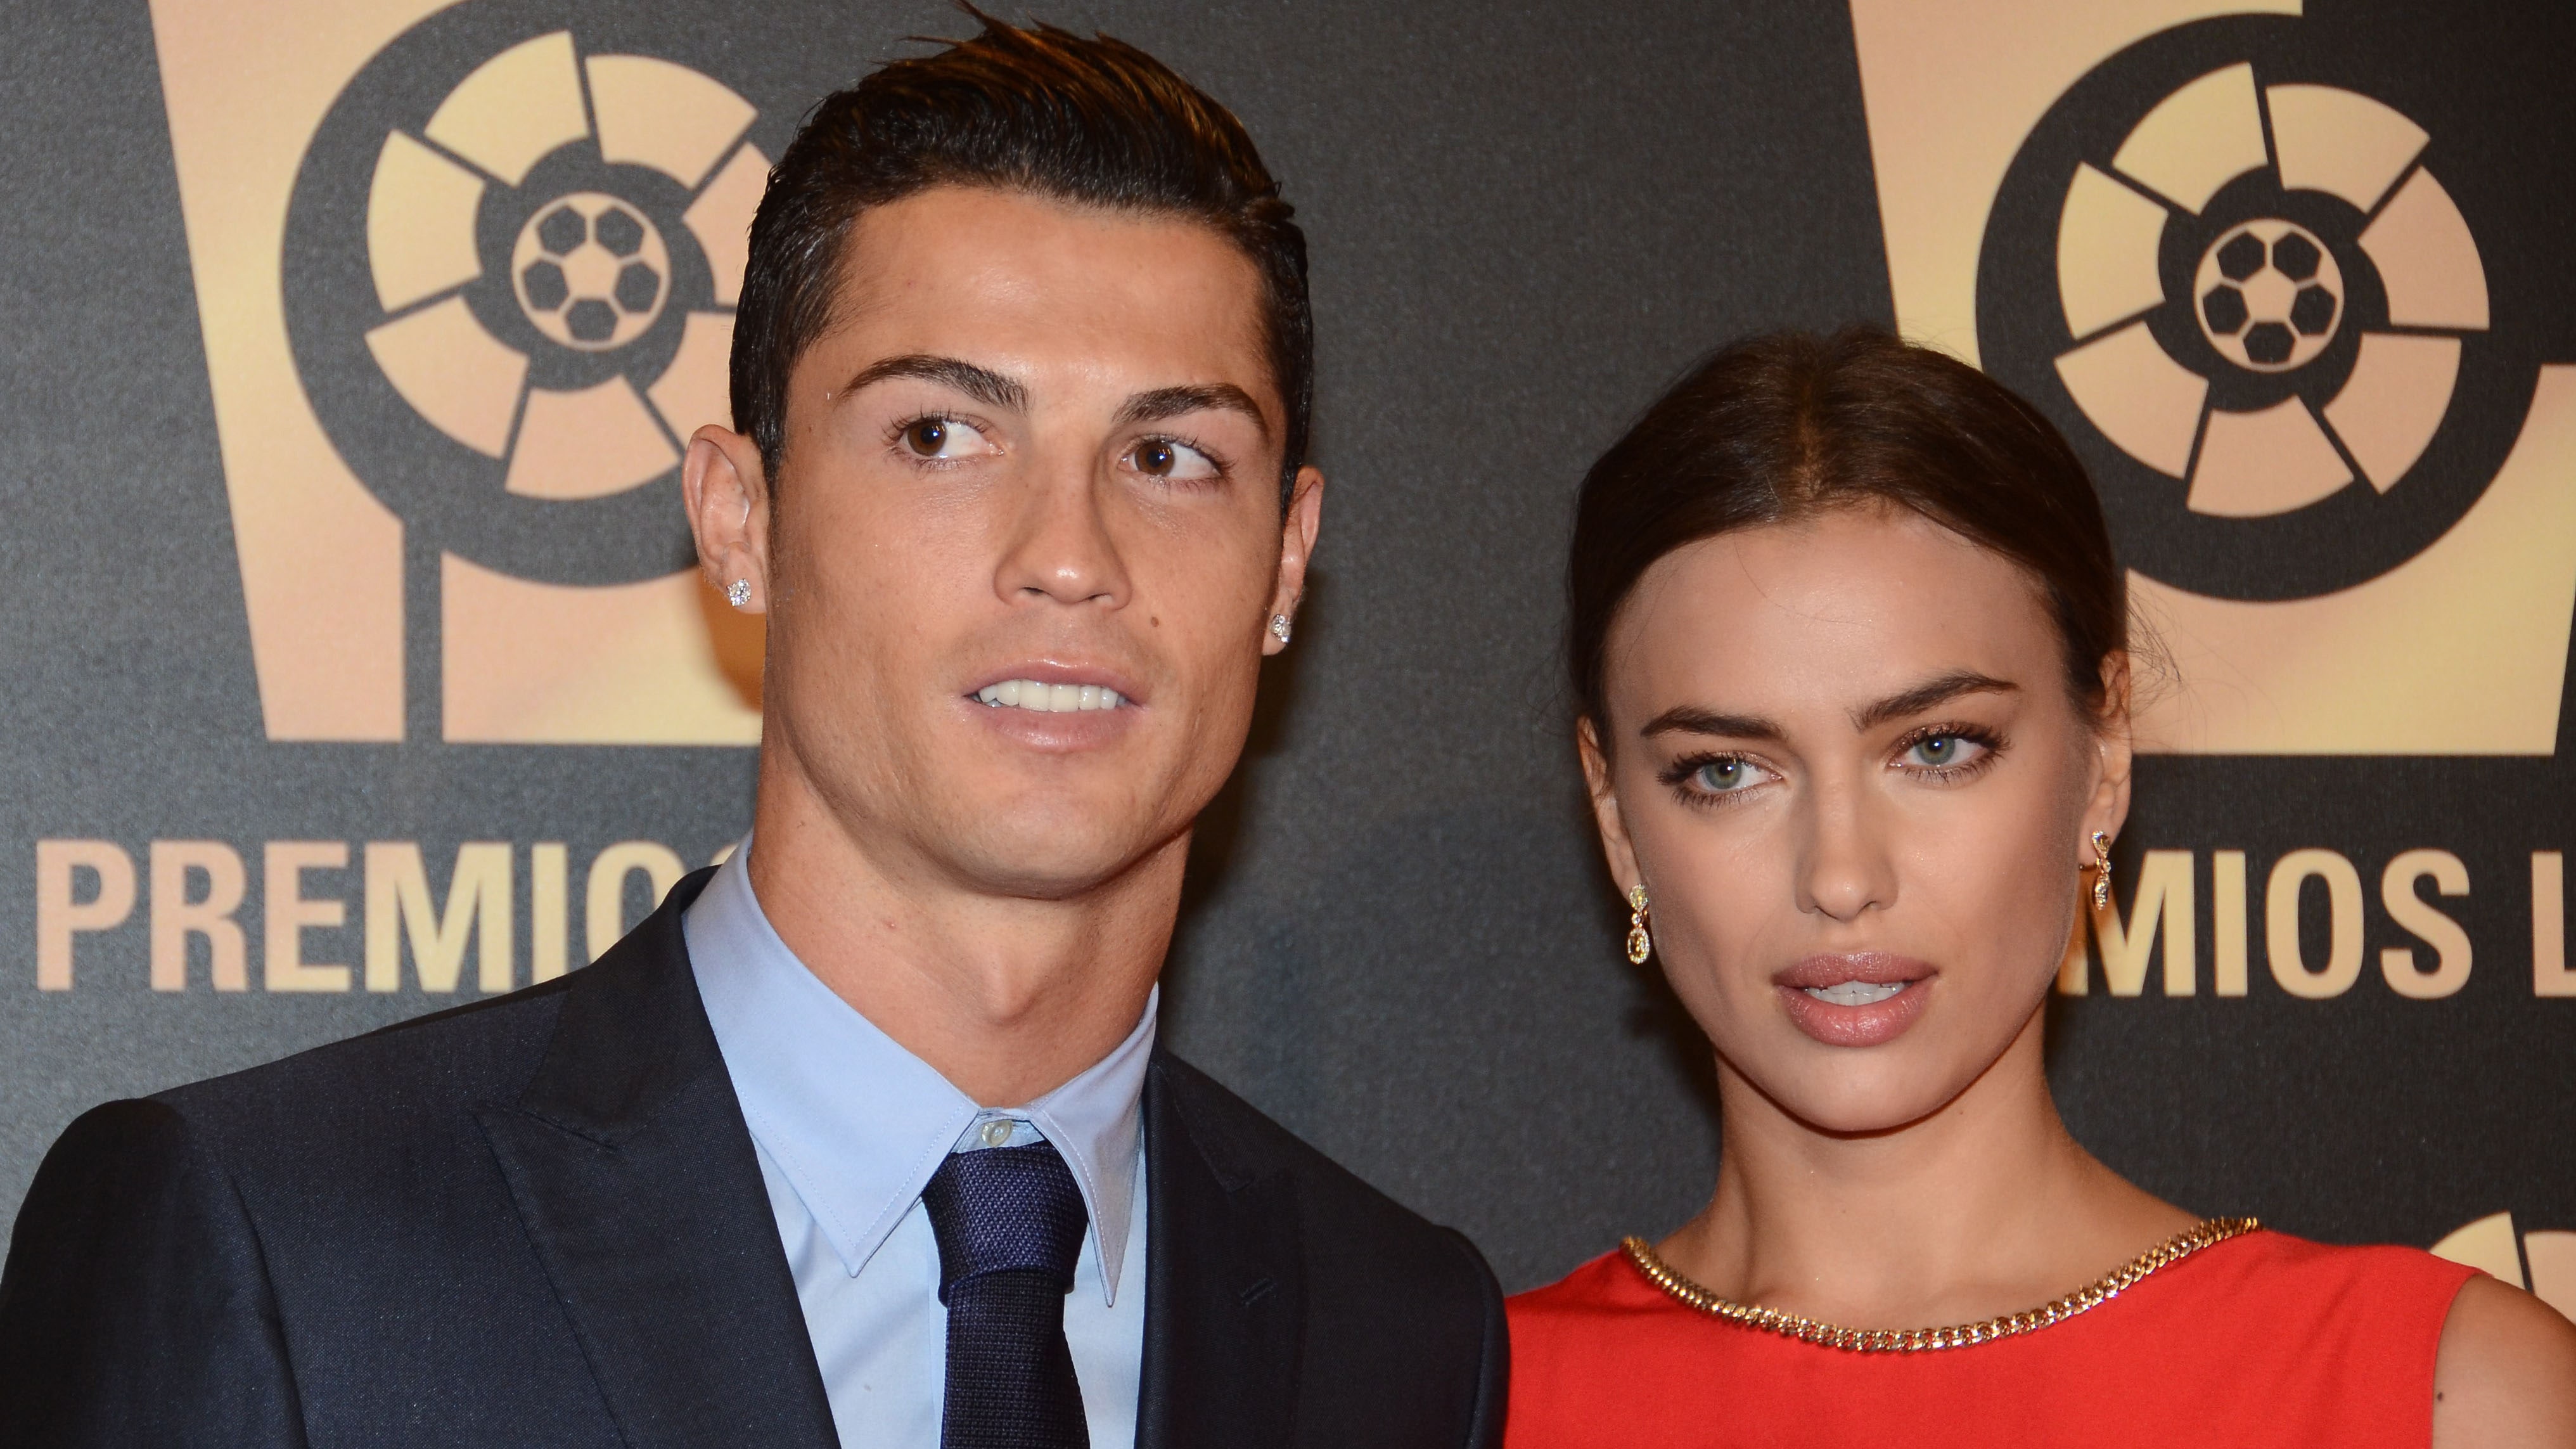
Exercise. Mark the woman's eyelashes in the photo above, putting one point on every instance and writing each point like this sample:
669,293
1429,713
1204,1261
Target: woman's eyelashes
940,438
1174,460
1706,779
1939,754
1947,752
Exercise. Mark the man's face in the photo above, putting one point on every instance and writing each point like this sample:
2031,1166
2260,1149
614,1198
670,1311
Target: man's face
1025,543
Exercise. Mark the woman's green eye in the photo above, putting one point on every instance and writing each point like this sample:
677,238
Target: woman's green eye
1721,776
1934,752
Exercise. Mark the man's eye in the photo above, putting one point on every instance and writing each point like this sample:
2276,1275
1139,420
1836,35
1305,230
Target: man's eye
1168,458
941,438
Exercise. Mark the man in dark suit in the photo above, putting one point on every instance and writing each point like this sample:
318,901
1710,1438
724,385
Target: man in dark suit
864,1135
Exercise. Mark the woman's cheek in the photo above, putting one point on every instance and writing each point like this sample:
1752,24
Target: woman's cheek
1722,908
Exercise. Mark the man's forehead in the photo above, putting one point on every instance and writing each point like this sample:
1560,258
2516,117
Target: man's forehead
1007,251
1028,285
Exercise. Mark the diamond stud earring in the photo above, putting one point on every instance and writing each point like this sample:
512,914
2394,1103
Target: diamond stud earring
738,593
1279,627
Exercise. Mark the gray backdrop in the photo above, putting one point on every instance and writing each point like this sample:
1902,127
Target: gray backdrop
1525,219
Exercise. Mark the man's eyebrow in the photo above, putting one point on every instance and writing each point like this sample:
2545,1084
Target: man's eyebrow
1692,720
1931,692
1172,402
982,384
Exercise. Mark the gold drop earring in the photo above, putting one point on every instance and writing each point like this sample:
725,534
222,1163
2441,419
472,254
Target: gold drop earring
2101,870
1640,944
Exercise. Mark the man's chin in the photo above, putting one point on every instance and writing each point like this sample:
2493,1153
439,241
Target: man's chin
1054,854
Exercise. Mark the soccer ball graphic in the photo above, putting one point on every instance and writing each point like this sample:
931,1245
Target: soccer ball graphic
2269,295
2309,391
591,271
566,349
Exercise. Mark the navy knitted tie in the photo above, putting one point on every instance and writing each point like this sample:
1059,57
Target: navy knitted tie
1009,1222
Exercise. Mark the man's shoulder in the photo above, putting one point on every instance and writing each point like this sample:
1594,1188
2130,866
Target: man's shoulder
1401,1329
392,1082
1242,1145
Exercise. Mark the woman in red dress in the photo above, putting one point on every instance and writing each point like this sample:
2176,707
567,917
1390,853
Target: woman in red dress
1852,656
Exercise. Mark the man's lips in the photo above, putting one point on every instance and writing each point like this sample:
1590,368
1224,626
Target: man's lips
1054,687
1854,1000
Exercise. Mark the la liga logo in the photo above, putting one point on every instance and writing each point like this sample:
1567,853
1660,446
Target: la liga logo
2283,306
2260,306
467,276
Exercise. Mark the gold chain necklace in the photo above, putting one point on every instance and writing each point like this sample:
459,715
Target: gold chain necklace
1918,1340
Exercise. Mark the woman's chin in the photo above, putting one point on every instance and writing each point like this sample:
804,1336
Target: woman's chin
1854,1094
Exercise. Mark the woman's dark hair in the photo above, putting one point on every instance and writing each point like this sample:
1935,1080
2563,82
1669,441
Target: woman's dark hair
1095,122
1782,428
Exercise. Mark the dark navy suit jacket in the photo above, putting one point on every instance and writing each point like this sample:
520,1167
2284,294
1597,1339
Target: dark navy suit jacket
538,1220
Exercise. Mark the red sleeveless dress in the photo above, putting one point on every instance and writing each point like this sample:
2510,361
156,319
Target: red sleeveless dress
2256,1341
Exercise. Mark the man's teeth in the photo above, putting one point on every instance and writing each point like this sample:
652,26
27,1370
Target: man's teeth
1856,993
1049,698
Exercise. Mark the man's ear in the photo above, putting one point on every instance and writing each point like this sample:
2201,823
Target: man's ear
1605,806
1305,516
725,490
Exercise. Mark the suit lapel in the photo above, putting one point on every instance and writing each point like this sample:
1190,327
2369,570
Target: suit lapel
630,1166
1224,1296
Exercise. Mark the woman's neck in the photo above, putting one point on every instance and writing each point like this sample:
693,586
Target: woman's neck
1986,1207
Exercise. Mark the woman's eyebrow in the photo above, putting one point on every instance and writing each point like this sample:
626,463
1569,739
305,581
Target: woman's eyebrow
1931,692
1691,719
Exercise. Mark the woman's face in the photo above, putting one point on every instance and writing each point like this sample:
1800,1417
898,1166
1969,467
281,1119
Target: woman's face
1842,759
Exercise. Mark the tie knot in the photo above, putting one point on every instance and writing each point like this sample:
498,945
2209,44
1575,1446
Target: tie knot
1005,1210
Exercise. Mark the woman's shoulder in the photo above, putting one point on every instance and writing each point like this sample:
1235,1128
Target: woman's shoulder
1582,1345
2356,1314
2329,1280
1605,1287
2499,1365
1603,1313
2507,1371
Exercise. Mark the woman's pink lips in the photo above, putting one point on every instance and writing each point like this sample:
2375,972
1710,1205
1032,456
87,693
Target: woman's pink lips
1854,1026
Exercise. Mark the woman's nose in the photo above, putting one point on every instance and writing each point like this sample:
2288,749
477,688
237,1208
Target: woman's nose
1846,868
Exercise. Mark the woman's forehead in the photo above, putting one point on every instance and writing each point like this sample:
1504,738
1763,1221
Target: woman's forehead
1849,601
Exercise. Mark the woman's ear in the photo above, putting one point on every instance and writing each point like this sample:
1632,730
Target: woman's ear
1605,806
2114,756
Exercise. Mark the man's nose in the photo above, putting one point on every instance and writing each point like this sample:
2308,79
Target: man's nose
1059,543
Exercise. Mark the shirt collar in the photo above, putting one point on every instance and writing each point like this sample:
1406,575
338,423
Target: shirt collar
856,1122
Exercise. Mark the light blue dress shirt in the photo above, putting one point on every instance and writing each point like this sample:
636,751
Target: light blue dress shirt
849,1127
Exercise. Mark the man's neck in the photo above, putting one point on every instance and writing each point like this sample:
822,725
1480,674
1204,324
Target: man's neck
1007,997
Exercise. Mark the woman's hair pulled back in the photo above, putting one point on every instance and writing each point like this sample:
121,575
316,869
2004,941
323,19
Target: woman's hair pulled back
1785,427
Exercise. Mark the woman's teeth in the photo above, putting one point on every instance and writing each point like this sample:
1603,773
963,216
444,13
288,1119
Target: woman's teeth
1048,698
1856,993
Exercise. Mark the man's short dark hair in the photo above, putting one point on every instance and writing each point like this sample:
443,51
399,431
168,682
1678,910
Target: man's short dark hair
1094,122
